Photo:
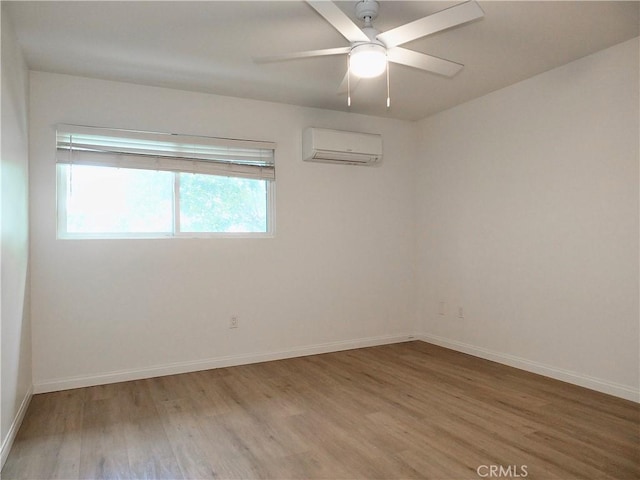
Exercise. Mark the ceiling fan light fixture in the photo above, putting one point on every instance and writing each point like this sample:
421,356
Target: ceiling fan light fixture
368,60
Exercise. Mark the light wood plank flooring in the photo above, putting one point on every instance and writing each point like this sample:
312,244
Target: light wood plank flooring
410,410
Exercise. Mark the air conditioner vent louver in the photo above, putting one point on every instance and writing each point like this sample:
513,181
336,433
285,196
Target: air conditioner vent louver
335,146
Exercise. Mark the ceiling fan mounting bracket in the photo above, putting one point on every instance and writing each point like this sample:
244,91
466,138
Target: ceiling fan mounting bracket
367,11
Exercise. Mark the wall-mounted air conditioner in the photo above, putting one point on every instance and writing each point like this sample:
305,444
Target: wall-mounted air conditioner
336,146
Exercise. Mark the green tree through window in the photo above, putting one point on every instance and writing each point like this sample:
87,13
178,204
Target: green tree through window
211,203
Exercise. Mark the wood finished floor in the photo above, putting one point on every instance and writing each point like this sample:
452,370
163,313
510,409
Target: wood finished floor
410,410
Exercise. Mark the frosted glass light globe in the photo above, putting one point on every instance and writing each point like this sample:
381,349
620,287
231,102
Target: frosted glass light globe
368,60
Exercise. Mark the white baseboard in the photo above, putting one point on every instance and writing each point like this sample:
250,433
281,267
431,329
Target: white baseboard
618,390
7,443
217,362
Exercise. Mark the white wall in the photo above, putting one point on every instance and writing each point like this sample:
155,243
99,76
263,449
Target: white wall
528,219
15,387
338,272
526,203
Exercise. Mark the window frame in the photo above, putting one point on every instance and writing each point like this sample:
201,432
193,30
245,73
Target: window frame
61,215
62,186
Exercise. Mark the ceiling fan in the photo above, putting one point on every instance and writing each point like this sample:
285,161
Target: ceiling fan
370,51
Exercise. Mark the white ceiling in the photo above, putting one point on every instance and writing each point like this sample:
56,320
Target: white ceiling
208,47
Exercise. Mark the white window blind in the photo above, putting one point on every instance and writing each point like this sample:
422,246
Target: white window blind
164,151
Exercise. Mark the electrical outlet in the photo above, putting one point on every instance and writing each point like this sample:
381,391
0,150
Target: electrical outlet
460,312
233,322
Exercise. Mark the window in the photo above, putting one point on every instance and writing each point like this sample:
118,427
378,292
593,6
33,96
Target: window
119,183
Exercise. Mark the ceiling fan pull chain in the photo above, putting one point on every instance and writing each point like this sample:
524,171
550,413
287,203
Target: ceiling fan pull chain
348,80
388,94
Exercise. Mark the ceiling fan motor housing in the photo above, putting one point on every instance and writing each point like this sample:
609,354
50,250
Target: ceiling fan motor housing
372,33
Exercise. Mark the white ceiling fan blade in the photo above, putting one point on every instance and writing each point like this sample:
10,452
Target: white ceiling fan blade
339,20
423,62
307,54
353,83
450,17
